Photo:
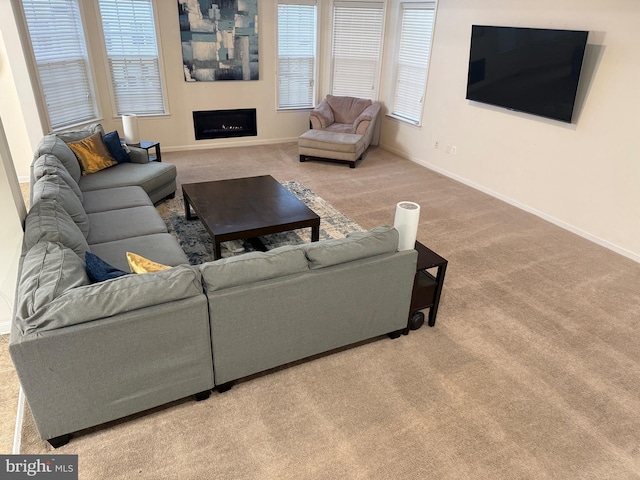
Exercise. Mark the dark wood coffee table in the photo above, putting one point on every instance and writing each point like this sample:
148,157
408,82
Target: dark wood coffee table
245,208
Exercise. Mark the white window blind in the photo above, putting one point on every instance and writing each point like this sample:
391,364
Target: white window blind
132,52
356,49
413,54
59,48
296,54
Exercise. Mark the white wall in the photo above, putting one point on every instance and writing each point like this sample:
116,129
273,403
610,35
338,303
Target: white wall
585,176
12,212
18,106
175,131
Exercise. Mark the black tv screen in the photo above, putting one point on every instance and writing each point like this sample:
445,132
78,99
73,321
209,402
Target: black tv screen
532,70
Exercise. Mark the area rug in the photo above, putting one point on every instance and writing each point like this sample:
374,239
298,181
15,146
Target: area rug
197,243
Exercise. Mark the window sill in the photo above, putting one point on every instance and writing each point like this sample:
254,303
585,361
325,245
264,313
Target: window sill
411,123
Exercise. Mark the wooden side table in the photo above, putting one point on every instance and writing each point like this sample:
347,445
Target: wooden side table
156,146
427,288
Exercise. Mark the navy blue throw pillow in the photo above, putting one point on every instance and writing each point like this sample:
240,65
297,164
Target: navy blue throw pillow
112,141
99,270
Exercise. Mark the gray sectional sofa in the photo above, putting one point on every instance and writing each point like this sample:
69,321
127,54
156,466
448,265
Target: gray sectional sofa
88,352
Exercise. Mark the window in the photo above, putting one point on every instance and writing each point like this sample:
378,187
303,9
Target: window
414,49
356,49
59,48
296,54
132,52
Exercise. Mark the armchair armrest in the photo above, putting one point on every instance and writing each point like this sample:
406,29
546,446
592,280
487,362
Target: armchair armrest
138,155
366,118
321,116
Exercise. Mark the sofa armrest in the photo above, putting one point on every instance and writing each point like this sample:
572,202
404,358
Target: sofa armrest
321,116
366,118
138,155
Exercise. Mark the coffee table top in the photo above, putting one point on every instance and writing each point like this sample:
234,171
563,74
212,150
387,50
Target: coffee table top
243,208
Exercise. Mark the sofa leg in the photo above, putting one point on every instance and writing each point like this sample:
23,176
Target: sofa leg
203,395
303,158
352,165
395,334
60,441
225,387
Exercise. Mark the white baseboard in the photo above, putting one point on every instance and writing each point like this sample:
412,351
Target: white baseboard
17,432
5,326
229,144
566,226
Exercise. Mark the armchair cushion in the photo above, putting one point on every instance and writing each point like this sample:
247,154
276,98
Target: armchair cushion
347,109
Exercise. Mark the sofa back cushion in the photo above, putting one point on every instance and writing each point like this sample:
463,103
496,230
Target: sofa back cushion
84,302
53,145
347,109
50,165
48,221
48,270
52,187
75,135
253,267
353,247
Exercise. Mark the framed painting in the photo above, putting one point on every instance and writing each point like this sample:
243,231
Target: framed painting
219,39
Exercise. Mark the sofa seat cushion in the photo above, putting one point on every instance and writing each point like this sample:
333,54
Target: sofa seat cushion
48,221
150,176
48,271
341,128
53,145
124,223
115,199
253,267
354,246
50,165
324,140
159,247
52,187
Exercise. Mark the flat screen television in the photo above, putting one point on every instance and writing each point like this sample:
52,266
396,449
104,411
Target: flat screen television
532,70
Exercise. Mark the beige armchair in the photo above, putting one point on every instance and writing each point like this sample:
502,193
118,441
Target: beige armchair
342,128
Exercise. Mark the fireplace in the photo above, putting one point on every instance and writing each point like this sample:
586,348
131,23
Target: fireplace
210,124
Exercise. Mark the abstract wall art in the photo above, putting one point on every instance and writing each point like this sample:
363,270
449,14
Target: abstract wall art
219,39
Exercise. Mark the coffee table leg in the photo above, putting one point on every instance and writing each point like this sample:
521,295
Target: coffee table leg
217,250
315,233
187,209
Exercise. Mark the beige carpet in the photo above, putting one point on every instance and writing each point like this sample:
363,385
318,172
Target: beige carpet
532,371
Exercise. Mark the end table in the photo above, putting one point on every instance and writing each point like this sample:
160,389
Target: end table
426,287
152,144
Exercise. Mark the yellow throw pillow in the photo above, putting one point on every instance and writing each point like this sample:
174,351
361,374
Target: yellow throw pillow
92,154
139,264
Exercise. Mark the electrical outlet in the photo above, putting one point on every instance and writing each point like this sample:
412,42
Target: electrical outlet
436,145
453,150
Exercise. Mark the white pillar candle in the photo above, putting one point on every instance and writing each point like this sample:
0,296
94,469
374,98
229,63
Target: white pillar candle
406,222
130,127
